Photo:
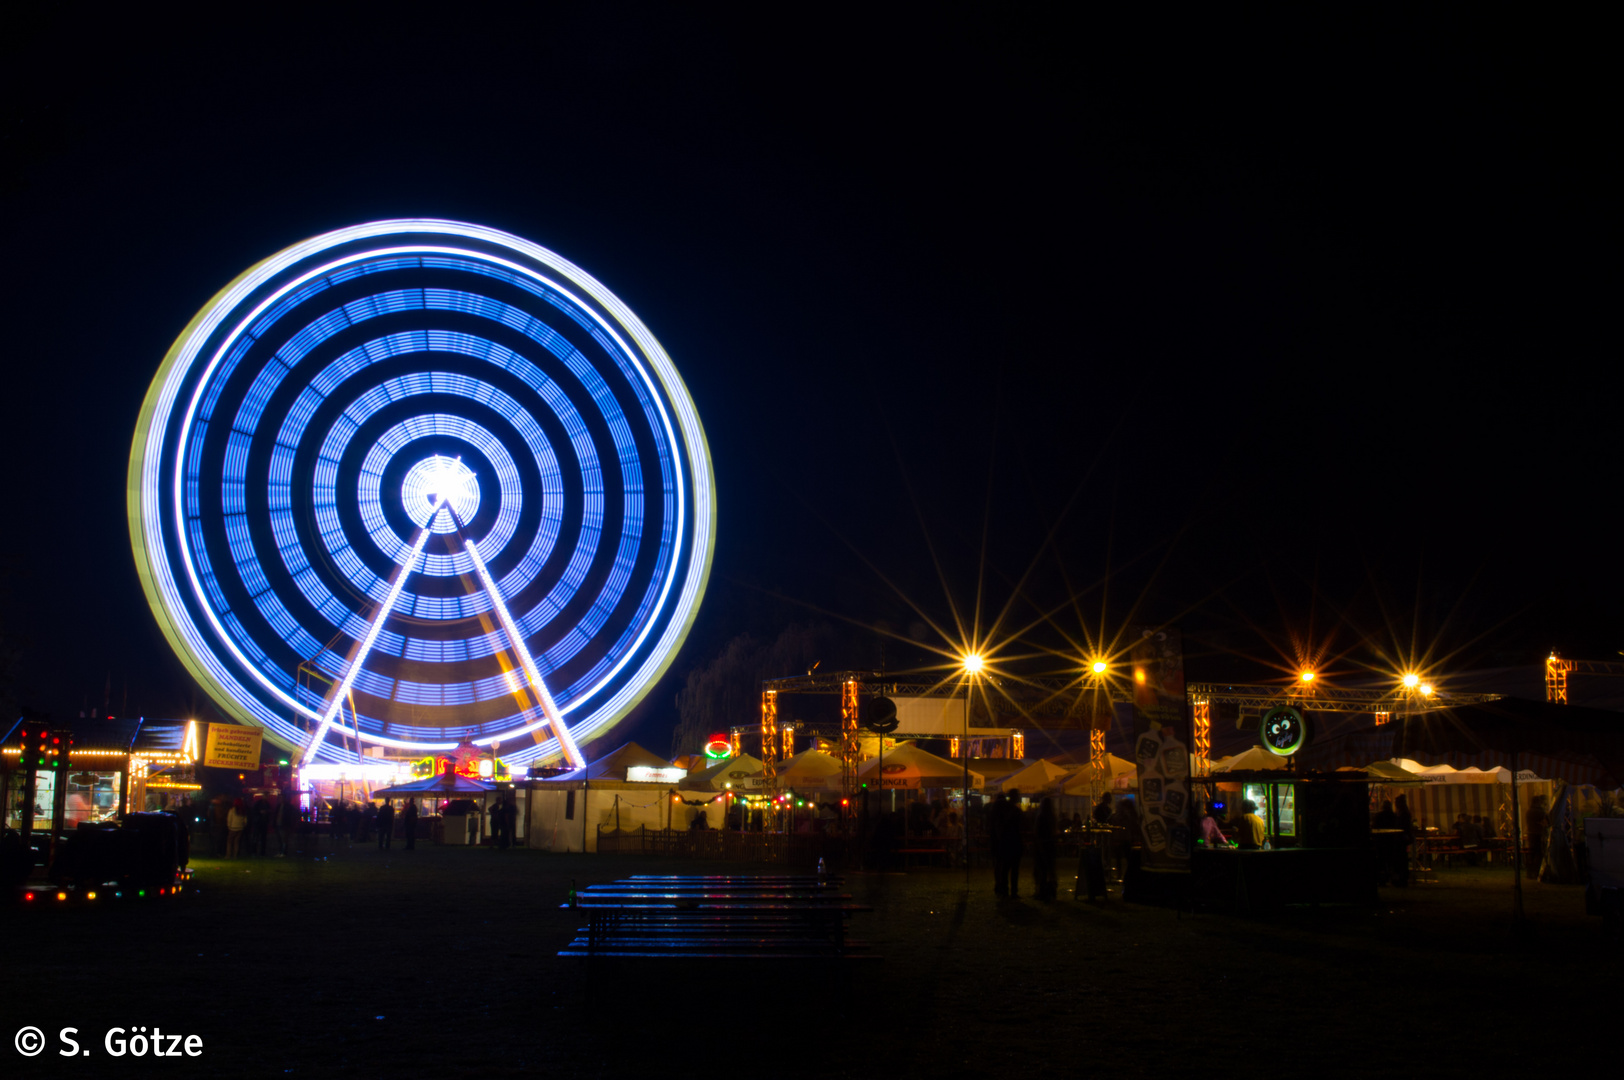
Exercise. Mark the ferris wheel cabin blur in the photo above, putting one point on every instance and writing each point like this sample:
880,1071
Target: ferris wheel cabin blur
421,483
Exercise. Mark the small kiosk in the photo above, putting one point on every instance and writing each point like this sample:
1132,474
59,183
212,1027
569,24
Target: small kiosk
1317,847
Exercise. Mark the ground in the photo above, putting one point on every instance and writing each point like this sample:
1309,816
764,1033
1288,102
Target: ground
441,962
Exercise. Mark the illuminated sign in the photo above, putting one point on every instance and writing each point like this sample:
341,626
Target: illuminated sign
1284,731
719,748
232,747
648,774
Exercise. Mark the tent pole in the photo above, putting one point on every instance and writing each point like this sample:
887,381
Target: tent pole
1517,839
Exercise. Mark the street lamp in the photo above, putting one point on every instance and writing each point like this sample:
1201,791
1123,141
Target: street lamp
972,664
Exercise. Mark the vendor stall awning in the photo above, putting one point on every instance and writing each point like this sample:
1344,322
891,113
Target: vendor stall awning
445,786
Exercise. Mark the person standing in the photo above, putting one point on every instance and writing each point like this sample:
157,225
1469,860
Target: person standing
259,826
236,825
510,819
1254,831
1212,836
409,821
287,821
996,812
386,827
335,822
1534,822
1045,846
1124,834
1406,825
499,823
219,812
1014,845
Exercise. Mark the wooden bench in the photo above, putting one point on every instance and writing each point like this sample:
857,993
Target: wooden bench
766,917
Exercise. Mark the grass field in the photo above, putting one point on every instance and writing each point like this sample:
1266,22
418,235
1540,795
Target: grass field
440,962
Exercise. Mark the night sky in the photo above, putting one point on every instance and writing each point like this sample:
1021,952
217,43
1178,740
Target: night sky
1288,329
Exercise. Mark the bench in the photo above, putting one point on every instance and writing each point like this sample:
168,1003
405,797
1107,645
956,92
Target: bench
769,917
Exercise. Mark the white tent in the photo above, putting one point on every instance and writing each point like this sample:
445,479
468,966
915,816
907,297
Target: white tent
1081,779
810,770
740,773
909,767
1254,758
1032,779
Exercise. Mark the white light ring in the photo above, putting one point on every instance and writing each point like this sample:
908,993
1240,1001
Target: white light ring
509,489
146,474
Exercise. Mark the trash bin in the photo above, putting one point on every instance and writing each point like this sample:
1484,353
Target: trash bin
455,829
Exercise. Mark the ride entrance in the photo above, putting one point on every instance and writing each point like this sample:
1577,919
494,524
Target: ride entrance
421,483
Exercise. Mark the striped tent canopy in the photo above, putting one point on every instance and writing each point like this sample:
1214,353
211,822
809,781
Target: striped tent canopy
1561,742
1438,804
1484,737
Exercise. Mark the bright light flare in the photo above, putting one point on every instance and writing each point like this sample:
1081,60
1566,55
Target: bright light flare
1411,681
1100,667
1306,676
973,663
1426,689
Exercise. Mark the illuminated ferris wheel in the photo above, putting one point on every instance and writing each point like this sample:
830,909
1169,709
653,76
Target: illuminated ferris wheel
439,468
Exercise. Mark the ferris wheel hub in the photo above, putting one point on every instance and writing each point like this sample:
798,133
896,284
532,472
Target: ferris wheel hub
436,480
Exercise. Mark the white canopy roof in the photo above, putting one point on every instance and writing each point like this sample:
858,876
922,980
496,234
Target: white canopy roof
810,769
1081,778
1254,758
738,773
907,766
1037,777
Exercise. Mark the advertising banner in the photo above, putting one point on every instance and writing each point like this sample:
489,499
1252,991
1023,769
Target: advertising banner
232,747
1161,749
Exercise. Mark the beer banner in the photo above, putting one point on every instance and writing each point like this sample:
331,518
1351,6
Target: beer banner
1161,750
232,747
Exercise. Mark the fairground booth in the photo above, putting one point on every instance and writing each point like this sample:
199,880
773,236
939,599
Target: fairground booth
94,770
454,790
630,790
77,797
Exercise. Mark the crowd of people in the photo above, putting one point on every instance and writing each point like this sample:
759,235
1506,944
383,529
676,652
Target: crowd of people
260,826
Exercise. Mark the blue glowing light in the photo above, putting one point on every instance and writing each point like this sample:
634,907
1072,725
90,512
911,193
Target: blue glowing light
439,465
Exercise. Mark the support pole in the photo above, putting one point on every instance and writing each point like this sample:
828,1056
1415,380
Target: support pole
370,638
1517,843
965,760
532,674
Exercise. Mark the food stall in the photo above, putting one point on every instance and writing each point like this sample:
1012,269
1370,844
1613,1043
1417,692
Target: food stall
111,767
1317,847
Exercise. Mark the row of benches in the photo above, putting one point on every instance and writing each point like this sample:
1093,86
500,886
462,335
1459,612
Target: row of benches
757,917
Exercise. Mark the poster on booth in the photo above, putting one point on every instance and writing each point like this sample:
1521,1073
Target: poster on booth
1161,751
232,747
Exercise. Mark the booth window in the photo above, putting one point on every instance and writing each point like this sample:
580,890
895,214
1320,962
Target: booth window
569,804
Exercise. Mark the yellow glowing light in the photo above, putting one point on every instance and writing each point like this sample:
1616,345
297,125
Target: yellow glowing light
973,663
1100,667
1139,674
1426,689
1411,681
90,896
1307,676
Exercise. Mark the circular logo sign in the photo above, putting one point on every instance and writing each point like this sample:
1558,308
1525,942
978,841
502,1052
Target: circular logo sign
1283,730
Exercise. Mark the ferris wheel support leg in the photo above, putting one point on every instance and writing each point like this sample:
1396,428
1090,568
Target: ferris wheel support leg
342,690
532,674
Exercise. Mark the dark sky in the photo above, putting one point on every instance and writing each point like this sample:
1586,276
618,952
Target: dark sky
1294,322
